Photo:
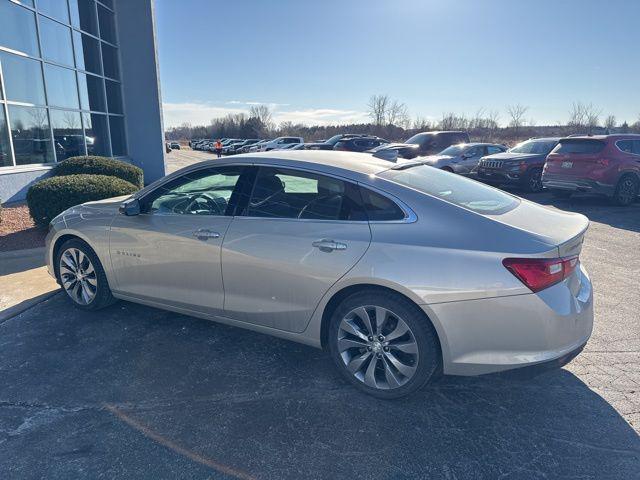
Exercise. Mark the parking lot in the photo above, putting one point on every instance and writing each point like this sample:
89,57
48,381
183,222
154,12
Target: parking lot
135,392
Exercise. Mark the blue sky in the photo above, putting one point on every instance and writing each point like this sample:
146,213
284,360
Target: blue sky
320,61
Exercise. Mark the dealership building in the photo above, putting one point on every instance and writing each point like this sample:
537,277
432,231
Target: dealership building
77,77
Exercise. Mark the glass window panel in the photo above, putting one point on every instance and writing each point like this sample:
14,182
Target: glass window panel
55,8
31,135
91,92
62,90
67,133
22,79
87,53
25,2
108,3
74,11
114,97
95,128
107,24
87,14
118,143
18,29
110,61
56,42
5,149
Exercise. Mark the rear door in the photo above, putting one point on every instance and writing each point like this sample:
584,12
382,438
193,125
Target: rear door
298,234
575,157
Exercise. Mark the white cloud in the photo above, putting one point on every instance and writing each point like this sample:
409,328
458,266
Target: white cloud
198,113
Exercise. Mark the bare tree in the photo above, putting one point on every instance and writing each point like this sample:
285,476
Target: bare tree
583,116
516,114
397,114
421,123
610,122
264,114
452,121
378,106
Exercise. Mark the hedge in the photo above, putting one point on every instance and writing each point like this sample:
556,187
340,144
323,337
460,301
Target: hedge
93,165
51,196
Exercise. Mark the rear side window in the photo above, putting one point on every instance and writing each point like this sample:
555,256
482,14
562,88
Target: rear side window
579,146
629,146
380,208
454,189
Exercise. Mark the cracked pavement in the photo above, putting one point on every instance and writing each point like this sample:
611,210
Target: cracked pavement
135,392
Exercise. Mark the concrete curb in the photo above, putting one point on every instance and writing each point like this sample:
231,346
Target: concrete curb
16,310
28,252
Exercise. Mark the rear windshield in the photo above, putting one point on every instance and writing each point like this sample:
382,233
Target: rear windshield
453,188
419,138
579,146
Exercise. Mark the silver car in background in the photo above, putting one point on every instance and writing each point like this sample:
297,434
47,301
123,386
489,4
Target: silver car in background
462,158
400,271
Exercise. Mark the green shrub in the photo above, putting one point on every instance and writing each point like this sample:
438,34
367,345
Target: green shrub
100,166
51,196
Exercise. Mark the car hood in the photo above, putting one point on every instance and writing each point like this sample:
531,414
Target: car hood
514,156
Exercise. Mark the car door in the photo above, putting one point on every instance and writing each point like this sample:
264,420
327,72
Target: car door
170,252
469,160
298,234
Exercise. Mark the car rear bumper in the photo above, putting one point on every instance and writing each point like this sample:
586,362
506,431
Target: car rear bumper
505,333
563,182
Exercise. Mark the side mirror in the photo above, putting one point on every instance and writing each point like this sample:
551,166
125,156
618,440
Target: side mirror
130,208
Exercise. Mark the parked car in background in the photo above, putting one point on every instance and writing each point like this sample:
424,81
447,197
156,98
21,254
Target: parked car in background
255,147
175,146
167,147
422,144
278,143
359,144
462,158
604,164
394,151
230,147
331,142
519,166
239,147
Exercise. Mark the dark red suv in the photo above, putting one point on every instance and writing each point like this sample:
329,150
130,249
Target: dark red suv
603,164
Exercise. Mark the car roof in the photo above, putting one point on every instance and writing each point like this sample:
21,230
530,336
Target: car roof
615,136
324,160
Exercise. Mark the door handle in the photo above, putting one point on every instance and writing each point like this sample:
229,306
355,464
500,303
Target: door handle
329,245
205,234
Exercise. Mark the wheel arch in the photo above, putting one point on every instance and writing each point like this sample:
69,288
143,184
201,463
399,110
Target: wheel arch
337,297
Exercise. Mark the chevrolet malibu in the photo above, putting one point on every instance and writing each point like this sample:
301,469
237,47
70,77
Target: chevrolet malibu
400,271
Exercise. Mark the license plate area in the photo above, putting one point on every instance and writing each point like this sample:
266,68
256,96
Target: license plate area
567,164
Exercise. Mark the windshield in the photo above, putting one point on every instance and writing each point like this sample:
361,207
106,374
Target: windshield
453,150
538,147
419,138
453,188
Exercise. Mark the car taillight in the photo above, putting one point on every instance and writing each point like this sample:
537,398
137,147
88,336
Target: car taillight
541,273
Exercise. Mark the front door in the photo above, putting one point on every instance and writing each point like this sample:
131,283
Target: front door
170,253
470,159
299,234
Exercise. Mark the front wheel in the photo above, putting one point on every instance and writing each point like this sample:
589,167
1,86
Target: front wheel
80,274
383,344
626,190
533,180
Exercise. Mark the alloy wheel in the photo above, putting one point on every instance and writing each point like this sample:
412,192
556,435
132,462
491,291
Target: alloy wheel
535,182
627,190
377,347
78,276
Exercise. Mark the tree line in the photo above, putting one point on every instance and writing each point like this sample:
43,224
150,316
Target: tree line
390,119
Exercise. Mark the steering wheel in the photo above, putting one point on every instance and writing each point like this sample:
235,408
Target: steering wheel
216,205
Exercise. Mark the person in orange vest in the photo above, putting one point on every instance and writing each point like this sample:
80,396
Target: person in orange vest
218,148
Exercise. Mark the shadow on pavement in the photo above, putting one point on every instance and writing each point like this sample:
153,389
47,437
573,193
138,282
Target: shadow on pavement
137,392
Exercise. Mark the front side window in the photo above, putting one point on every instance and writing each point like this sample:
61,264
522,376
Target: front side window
491,150
284,193
203,192
536,147
454,189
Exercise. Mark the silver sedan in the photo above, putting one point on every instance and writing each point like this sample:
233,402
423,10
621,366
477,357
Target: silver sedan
400,271
462,158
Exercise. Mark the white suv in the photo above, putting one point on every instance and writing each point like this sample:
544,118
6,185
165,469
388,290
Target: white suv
278,143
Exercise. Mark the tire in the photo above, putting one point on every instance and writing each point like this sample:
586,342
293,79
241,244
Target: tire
626,190
532,181
562,193
92,292
351,343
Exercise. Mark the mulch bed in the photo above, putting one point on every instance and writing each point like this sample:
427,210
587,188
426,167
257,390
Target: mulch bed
17,230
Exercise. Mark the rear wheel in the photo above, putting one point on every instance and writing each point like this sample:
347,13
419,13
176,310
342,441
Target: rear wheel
532,180
626,190
82,277
383,344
